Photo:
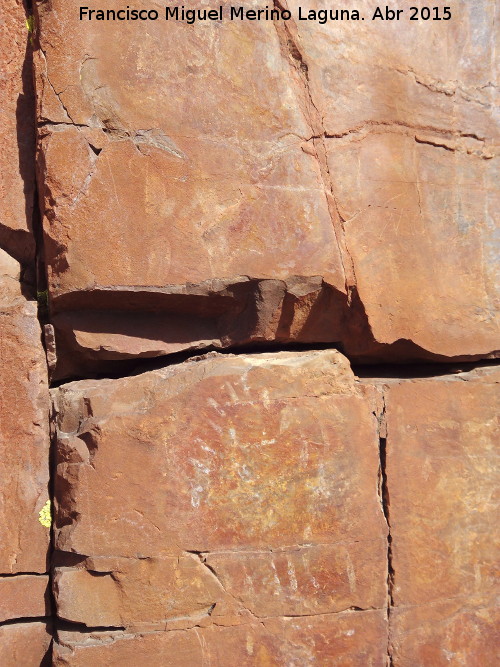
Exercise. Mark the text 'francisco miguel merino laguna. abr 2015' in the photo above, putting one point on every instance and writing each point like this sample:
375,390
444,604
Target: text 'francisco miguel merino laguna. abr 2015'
238,13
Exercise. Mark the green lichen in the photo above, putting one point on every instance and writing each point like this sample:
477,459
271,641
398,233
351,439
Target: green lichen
43,298
43,305
45,515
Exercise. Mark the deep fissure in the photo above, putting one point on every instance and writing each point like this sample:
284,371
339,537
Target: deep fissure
385,502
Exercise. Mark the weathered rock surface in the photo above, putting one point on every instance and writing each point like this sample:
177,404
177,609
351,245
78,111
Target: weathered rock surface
24,428
410,119
265,528
17,137
442,451
335,186
265,505
449,632
350,639
26,644
247,185
24,596
443,481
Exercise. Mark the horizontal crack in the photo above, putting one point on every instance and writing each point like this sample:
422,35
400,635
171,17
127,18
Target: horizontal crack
81,628
25,620
381,370
13,575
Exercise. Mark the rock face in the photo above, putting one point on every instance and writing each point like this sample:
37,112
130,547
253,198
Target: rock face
443,480
24,428
24,399
265,507
24,596
343,639
316,192
411,135
17,138
282,198
24,476
25,644
266,538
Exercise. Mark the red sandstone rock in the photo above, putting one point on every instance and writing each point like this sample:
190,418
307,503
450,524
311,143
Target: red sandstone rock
17,138
263,476
26,644
201,193
24,596
350,639
94,334
442,436
450,632
24,428
410,132
442,481
139,593
228,184
346,165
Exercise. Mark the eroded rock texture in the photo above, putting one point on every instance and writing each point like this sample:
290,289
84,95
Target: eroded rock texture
276,479
234,182
17,137
265,508
343,639
257,188
24,428
25,644
24,398
24,476
24,596
443,481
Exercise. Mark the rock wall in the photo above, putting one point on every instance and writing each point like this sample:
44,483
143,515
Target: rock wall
249,331
25,601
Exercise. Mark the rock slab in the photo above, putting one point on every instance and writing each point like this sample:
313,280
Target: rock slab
334,186
443,481
24,428
24,596
17,139
265,509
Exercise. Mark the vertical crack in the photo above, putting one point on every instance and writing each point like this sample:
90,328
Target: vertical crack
384,496
290,45
40,285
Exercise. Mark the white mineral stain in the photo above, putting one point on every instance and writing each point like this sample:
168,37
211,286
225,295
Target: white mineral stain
216,427
200,466
277,590
314,583
196,496
351,575
245,473
232,392
292,575
249,644
265,398
216,406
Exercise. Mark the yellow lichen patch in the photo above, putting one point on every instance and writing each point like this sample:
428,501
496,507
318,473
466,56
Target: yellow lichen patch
30,23
45,515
